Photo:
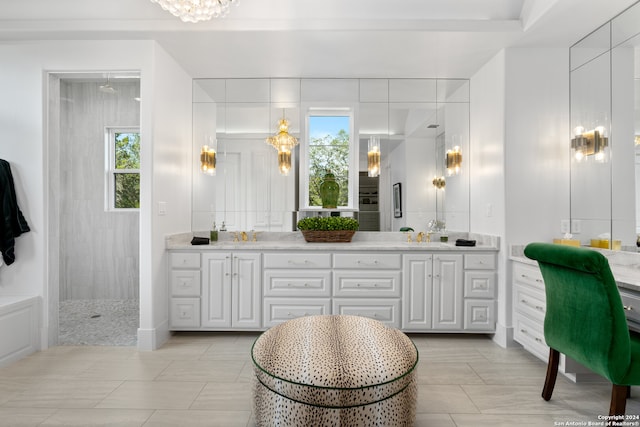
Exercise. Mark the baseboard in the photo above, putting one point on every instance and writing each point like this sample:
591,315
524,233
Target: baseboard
504,336
152,339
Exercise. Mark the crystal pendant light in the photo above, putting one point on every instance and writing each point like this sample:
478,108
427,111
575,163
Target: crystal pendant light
196,10
284,143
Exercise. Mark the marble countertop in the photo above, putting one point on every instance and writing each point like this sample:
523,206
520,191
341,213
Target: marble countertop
625,266
362,241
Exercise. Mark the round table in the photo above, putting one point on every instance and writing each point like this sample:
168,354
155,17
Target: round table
334,370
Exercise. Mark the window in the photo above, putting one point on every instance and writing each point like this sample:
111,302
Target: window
123,168
329,147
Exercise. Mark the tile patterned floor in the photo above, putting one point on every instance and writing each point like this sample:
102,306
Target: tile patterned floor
205,380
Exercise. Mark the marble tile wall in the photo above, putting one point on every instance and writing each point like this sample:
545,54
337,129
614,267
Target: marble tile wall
98,251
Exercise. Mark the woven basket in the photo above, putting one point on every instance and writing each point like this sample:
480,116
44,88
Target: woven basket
333,236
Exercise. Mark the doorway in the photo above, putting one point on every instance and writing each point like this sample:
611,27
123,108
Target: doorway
94,245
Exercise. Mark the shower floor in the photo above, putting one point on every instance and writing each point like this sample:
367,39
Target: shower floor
99,322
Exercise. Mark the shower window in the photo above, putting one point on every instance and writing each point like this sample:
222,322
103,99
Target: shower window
122,168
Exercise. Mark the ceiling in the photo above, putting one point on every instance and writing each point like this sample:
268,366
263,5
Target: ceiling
320,38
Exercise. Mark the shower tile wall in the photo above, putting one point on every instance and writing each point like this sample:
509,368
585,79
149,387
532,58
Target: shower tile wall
99,256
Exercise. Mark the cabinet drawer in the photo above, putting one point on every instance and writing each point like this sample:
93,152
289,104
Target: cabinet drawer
479,284
297,260
531,335
631,305
479,315
279,310
528,274
530,301
367,261
185,312
292,283
367,284
185,283
185,260
480,261
385,310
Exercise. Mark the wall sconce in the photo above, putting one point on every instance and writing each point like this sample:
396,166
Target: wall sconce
637,139
454,160
590,143
208,158
373,156
284,143
439,183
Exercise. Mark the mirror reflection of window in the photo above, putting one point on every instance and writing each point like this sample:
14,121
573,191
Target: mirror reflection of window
329,151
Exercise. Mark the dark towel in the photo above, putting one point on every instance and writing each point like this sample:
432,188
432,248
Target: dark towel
12,222
465,242
200,241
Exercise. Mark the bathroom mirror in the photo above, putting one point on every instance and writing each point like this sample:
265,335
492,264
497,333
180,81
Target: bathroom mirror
416,120
605,71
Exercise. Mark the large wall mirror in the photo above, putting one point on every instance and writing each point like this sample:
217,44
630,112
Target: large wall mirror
417,122
605,124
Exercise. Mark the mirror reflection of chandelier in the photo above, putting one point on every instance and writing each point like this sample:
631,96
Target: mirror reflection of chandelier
196,10
284,143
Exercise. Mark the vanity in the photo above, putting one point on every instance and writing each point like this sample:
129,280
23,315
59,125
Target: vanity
529,304
254,285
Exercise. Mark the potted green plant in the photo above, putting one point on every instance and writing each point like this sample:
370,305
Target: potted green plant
328,229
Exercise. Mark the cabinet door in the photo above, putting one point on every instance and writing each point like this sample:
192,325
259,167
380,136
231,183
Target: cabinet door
447,292
417,290
479,315
216,290
245,291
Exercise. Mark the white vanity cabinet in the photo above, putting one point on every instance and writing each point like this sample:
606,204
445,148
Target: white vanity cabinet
184,285
369,285
479,292
529,302
295,285
254,286
432,292
231,294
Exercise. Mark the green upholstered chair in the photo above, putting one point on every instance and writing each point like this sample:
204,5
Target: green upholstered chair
585,319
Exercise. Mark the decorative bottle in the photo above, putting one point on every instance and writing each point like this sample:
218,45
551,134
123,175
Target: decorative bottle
214,233
329,191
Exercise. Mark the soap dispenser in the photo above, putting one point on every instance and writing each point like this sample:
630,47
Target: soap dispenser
214,233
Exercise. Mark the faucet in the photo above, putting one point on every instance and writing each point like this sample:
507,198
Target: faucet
244,236
420,237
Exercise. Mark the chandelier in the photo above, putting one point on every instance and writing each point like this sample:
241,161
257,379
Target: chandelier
196,10
284,143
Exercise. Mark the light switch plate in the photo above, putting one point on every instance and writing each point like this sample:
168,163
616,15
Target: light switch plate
162,208
565,226
576,226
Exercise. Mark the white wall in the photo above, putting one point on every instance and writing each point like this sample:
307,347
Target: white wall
519,156
168,175
23,144
537,144
487,154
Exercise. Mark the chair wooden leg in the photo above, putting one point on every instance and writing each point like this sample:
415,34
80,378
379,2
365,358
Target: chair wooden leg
619,395
552,374
628,392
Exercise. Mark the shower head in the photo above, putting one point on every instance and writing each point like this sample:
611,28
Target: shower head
107,88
